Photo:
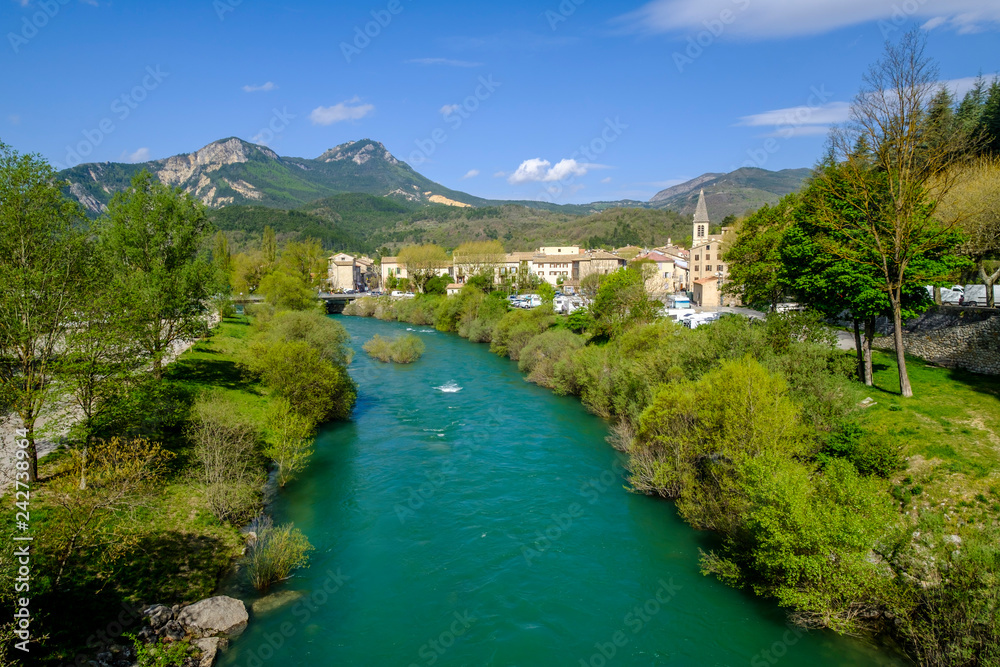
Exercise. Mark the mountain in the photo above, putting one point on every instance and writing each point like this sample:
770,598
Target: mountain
233,171
734,193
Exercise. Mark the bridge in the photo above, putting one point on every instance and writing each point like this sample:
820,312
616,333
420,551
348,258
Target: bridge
334,303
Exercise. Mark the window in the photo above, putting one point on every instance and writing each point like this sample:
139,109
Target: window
720,267
697,257
701,231
708,257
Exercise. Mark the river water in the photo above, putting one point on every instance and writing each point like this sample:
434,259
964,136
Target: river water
488,525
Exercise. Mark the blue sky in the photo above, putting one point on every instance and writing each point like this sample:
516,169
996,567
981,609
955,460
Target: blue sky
572,100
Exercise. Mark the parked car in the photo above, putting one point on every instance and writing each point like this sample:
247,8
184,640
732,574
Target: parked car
975,295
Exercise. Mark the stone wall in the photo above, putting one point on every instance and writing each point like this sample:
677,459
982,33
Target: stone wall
953,337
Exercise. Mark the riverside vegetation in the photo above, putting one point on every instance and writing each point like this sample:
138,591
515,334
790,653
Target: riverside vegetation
756,431
401,350
164,460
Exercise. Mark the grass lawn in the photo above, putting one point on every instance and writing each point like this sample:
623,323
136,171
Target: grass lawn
181,550
950,432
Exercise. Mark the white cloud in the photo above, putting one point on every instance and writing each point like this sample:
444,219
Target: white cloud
606,180
450,109
763,19
832,112
141,155
538,170
347,110
500,174
444,61
263,88
472,173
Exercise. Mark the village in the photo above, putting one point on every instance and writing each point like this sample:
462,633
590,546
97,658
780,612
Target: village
677,276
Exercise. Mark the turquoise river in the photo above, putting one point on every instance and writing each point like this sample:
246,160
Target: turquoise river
490,525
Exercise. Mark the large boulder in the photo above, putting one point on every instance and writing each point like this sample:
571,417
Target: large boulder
217,616
209,647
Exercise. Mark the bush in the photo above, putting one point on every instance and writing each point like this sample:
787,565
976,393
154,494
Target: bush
273,552
161,654
226,448
326,336
870,452
318,389
402,350
539,357
289,439
518,327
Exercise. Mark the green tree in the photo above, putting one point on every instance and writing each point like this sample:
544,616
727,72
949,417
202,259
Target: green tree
154,235
289,442
890,184
756,273
40,272
547,292
423,262
621,302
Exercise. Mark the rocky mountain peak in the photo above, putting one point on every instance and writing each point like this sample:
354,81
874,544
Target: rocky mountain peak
358,152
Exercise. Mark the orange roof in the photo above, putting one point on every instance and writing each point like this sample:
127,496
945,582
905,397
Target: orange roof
705,281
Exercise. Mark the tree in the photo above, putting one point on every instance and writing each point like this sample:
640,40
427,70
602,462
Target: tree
480,259
247,271
304,260
289,443
40,271
974,205
621,302
285,291
153,235
99,353
755,265
547,292
423,262
269,246
896,184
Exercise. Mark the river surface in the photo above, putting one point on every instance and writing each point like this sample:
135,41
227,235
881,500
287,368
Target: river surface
489,526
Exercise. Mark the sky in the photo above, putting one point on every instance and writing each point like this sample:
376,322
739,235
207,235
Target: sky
571,101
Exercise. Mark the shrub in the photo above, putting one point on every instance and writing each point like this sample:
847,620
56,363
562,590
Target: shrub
226,448
539,357
870,452
273,552
285,291
317,388
326,336
402,350
289,439
160,654
518,327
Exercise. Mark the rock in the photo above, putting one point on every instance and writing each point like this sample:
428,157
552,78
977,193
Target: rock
954,539
158,615
173,631
209,647
219,615
275,600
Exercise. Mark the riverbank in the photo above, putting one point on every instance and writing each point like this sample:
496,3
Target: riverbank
920,588
125,547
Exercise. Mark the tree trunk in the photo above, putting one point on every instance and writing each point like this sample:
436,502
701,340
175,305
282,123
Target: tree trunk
897,336
32,457
869,337
859,349
937,294
988,282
